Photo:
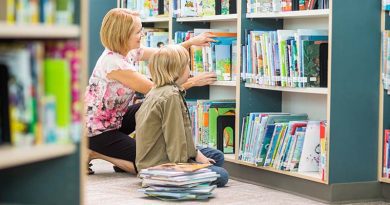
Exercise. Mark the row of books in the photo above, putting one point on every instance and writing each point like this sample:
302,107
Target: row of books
386,60
192,8
284,141
287,58
220,57
263,6
37,11
154,38
213,123
386,154
147,8
178,181
40,85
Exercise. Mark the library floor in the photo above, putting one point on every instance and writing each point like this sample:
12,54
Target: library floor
107,187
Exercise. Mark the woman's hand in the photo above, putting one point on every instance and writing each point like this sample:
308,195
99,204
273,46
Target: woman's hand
200,80
203,159
202,39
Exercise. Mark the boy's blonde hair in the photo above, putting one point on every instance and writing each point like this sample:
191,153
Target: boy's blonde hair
168,64
116,29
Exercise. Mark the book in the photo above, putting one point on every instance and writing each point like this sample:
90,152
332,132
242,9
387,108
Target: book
5,135
58,84
180,167
310,156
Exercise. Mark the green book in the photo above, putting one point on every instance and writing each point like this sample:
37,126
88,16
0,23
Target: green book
219,109
57,84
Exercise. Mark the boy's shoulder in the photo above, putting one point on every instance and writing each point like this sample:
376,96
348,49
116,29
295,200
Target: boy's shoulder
165,92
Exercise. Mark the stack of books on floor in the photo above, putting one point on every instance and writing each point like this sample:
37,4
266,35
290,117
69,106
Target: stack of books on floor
178,181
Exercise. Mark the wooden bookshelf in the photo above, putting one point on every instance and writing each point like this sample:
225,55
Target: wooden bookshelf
225,83
38,31
155,19
228,17
15,156
321,91
292,14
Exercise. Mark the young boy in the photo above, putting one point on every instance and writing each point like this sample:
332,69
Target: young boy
163,126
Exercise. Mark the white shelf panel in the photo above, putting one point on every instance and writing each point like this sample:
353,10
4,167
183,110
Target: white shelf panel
321,13
155,19
224,83
14,156
229,17
38,31
321,91
311,176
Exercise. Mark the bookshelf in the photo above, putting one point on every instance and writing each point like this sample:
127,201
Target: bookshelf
46,173
337,104
350,96
384,111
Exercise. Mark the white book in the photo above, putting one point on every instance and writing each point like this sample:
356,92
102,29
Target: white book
310,156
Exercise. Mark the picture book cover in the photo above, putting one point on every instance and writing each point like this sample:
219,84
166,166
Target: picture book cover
208,7
311,62
224,7
220,109
21,110
188,8
311,149
223,62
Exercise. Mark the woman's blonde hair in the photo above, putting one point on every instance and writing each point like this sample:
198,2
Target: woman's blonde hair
168,64
116,29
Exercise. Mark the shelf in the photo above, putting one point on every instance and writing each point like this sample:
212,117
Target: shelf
321,91
311,176
382,179
228,17
14,156
38,31
155,19
230,157
322,13
224,83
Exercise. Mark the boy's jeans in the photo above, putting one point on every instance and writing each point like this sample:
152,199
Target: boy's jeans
217,167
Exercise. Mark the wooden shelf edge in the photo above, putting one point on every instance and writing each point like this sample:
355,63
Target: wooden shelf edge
224,83
228,17
155,19
321,91
293,174
321,13
230,157
16,156
384,180
15,31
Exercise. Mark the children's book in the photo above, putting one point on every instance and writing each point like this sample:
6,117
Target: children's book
181,167
311,149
